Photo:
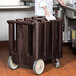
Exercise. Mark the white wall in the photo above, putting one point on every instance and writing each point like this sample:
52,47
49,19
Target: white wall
10,15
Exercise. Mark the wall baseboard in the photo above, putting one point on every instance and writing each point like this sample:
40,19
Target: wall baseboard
4,44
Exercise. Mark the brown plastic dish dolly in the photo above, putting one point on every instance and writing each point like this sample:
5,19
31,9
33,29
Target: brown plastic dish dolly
33,44
56,34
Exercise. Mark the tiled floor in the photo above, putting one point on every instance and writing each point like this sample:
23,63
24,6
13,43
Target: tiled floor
68,66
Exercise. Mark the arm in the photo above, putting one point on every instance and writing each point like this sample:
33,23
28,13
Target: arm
46,11
61,2
44,6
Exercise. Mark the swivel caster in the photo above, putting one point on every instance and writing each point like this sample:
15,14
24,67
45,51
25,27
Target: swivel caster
11,64
57,63
38,66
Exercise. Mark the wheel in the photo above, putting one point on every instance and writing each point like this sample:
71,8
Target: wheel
57,63
38,66
11,64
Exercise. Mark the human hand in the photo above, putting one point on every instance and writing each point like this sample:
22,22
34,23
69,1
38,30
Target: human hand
62,3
